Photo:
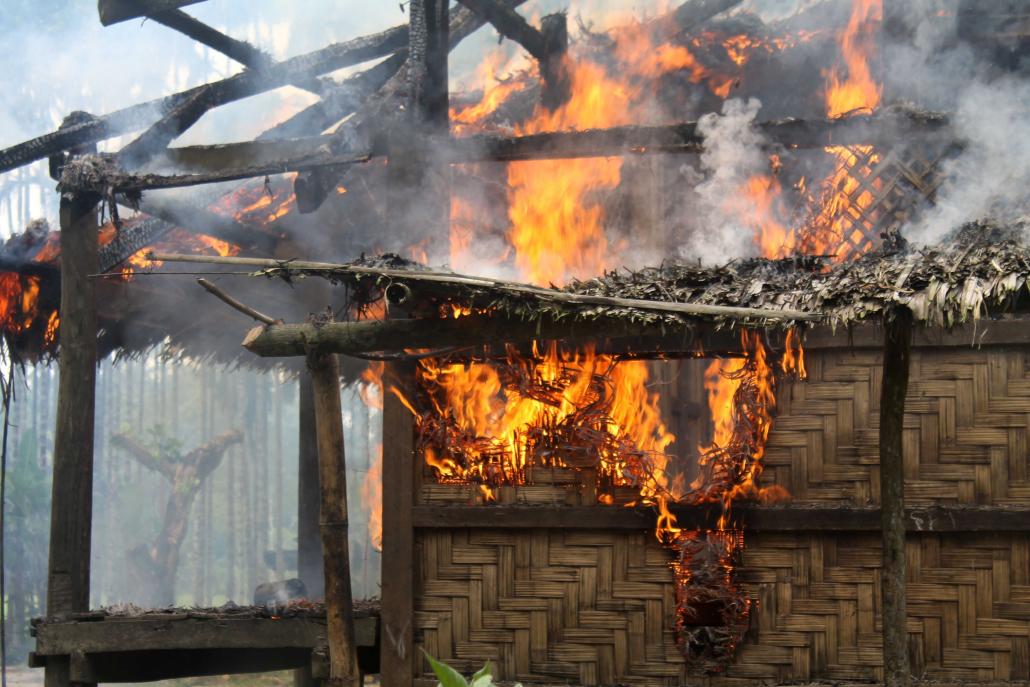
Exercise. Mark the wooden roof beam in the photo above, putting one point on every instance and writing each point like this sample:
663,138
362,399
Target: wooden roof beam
233,88
116,11
230,162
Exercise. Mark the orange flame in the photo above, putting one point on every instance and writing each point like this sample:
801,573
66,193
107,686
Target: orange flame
372,498
858,91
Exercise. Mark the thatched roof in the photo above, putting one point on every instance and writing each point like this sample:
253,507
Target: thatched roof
979,271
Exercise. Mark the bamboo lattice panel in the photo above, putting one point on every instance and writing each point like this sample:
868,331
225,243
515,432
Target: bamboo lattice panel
965,431
878,191
597,608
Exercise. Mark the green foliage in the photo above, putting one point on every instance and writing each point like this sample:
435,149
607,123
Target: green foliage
449,677
164,445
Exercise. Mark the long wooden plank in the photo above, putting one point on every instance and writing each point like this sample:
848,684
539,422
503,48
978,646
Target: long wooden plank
144,633
398,567
749,517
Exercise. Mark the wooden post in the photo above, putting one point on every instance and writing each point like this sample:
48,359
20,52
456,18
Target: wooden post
71,509
896,357
309,544
419,195
332,470
397,659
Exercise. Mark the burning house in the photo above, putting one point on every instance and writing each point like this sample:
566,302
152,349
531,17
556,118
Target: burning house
605,461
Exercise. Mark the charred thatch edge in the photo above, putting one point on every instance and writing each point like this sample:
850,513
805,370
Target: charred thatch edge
980,271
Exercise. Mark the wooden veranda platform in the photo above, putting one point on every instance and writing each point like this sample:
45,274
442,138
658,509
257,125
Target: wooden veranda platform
160,645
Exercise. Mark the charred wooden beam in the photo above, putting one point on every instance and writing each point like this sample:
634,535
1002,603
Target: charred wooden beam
511,25
115,11
71,511
130,240
156,138
241,51
547,45
204,159
243,85
873,129
690,16
191,27
312,188
896,359
338,101
116,180
886,127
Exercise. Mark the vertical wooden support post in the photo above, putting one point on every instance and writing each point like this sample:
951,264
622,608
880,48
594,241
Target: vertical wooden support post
397,658
419,207
896,357
71,509
332,472
309,543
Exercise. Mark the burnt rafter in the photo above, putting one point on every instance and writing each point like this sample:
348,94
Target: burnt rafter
548,44
242,85
313,187
115,11
233,48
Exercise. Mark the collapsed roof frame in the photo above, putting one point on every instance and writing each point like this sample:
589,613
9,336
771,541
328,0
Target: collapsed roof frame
416,57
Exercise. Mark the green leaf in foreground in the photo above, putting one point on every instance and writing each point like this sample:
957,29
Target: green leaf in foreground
483,677
447,676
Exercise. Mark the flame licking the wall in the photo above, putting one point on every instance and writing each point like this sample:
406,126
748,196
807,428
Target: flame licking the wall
494,423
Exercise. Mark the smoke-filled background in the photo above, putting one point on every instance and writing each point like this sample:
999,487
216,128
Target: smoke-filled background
58,58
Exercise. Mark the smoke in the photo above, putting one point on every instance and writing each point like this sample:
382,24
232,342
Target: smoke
935,68
732,156
990,176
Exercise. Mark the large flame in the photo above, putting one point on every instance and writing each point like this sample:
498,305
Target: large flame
837,225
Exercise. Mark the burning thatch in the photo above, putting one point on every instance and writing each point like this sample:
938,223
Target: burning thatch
980,271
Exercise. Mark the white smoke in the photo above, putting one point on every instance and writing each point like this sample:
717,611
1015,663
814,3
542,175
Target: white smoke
991,176
990,110
733,153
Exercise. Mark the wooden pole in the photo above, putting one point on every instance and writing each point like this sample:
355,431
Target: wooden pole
397,659
309,546
896,358
71,510
332,470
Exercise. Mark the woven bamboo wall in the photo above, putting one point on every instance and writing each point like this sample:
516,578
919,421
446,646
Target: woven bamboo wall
965,437
597,607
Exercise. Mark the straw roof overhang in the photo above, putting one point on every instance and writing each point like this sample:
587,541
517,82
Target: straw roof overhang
980,271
